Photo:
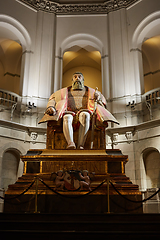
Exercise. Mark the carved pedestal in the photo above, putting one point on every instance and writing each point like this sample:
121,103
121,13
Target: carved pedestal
102,162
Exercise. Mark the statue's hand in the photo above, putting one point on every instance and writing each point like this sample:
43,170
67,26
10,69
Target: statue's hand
51,111
97,96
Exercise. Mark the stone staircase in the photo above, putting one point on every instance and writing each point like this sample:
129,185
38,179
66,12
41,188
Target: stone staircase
79,226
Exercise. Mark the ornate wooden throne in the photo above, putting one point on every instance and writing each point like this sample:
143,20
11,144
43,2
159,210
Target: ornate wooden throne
56,139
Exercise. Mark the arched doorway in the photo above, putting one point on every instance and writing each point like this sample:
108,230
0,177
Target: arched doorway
148,28
15,35
76,44
151,158
10,167
151,63
86,60
10,65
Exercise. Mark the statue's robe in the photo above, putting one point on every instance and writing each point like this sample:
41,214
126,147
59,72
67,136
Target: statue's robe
59,100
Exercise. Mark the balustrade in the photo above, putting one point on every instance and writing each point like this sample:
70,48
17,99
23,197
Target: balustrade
8,99
152,97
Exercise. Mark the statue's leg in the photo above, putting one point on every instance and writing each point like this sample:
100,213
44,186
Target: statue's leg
84,119
68,130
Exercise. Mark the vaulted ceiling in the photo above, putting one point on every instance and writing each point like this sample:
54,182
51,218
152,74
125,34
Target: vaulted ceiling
10,56
81,57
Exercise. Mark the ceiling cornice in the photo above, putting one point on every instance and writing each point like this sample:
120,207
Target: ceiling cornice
78,8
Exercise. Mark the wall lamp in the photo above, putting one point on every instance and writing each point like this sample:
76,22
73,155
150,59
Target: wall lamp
30,106
131,104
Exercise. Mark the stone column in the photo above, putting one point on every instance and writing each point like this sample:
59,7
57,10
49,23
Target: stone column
124,85
58,72
41,71
25,65
136,55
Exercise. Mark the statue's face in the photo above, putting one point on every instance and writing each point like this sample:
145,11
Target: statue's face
77,82
85,174
60,174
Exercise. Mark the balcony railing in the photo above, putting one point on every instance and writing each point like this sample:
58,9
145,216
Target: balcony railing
152,97
8,99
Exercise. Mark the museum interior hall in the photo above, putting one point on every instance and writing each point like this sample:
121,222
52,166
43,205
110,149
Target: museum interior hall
80,118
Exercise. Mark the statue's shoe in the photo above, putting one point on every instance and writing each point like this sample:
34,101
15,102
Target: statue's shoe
81,147
71,146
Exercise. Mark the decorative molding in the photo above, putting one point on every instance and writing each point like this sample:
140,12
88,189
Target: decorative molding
60,58
11,74
22,127
26,51
105,56
157,71
85,8
136,50
115,138
129,136
34,136
45,136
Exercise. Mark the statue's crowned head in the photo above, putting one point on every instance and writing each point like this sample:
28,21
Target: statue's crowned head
78,81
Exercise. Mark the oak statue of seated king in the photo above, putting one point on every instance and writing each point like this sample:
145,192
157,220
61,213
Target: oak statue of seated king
77,104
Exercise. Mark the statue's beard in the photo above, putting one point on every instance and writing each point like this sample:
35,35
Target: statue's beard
77,85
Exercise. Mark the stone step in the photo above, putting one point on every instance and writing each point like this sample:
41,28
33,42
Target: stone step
78,226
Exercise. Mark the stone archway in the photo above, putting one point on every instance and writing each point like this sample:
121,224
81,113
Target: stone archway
10,167
10,62
86,60
14,30
148,28
151,159
16,151
82,41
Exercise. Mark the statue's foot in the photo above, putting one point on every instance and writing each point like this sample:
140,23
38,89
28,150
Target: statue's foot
81,147
71,146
